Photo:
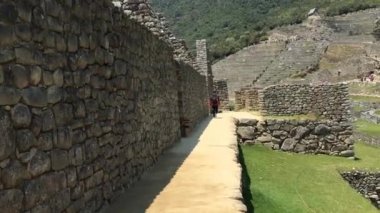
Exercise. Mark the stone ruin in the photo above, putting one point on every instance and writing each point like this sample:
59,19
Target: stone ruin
90,95
221,88
310,137
330,134
328,101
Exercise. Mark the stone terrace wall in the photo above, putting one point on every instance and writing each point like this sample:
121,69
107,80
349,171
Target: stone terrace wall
317,137
193,97
366,183
221,88
329,101
238,100
248,98
88,100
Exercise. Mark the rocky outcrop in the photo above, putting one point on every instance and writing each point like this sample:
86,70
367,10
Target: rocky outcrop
366,183
314,137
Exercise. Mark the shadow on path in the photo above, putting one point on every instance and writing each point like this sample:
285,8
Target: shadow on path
141,195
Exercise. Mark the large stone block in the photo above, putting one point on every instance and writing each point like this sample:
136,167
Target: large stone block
25,140
76,155
45,141
63,114
7,35
6,55
58,78
11,200
48,120
59,159
35,96
8,13
9,96
14,174
7,143
288,144
24,32
247,132
64,138
35,75
21,116
54,94
27,56
39,164
43,188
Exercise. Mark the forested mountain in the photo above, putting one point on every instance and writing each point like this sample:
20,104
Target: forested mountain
230,25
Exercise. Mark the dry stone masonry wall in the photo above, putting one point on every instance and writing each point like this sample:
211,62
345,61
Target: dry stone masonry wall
367,183
88,100
328,101
192,97
221,88
141,11
316,137
204,64
247,98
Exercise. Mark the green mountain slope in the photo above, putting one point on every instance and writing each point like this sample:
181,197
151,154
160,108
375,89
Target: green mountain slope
230,25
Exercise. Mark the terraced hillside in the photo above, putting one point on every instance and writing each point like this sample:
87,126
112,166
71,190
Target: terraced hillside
247,65
320,49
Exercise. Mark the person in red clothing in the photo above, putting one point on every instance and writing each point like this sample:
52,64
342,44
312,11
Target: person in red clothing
214,103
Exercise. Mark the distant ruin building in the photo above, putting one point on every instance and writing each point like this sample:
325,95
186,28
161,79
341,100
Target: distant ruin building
204,64
376,31
221,88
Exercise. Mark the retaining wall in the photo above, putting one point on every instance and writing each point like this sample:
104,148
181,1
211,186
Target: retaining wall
329,101
88,100
221,87
366,183
317,137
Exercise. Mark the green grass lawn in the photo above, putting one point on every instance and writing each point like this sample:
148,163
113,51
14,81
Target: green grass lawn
362,98
367,128
364,88
288,182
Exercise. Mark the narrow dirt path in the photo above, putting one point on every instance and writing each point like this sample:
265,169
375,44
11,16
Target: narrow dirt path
199,174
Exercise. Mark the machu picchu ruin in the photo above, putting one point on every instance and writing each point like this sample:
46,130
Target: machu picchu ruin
189,106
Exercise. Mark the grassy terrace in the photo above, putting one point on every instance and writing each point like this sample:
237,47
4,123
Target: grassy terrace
368,128
363,98
287,182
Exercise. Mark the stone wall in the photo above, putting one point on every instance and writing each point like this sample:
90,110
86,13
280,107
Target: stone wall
193,101
371,116
88,100
366,183
238,101
221,88
204,64
142,12
241,98
317,137
328,101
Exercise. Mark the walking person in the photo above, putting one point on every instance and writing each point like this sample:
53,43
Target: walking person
214,103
